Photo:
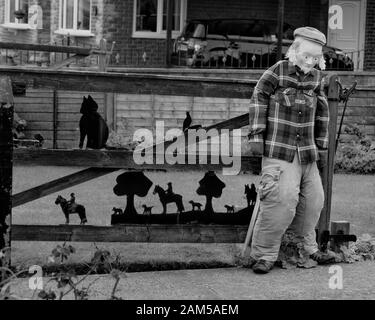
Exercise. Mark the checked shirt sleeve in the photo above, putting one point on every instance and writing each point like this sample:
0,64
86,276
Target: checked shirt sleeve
259,103
321,119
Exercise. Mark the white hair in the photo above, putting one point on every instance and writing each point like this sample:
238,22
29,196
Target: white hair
292,53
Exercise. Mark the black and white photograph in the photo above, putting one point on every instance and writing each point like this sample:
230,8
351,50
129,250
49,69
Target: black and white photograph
182,156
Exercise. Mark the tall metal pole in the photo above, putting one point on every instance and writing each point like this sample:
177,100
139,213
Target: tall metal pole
6,165
169,33
280,28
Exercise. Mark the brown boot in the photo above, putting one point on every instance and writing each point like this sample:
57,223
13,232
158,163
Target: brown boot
263,266
322,258
249,262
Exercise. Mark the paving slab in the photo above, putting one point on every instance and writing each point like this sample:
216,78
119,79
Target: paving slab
232,283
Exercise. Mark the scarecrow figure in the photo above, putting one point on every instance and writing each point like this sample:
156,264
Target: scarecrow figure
289,127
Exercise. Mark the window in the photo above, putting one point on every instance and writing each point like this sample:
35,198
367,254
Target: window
150,18
75,17
16,11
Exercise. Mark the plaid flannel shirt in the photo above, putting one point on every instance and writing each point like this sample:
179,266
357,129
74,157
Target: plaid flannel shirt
289,113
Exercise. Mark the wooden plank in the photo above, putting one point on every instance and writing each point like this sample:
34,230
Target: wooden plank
110,111
55,118
68,135
47,135
58,184
37,125
339,227
131,83
116,159
32,100
46,48
6,169
34,108
36,116
68,125
327,171
131,233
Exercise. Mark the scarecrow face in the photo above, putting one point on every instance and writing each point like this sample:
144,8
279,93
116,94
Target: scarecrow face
308,55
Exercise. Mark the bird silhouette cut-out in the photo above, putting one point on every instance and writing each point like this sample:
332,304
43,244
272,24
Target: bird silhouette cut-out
187,122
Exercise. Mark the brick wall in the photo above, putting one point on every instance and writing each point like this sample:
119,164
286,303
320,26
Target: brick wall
118,23
11,35
370,36
118,26
96,26
297,12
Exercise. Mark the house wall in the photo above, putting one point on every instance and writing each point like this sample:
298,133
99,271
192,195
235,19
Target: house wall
11,35
118,27
297,12
369,62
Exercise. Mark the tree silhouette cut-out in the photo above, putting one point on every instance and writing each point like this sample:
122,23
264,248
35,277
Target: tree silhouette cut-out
210,187
130,184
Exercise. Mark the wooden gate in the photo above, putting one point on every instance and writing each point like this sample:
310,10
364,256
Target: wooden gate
104,162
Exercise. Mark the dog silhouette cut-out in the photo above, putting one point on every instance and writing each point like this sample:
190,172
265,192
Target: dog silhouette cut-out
195,205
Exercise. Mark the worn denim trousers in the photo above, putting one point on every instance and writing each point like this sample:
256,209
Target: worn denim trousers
291,197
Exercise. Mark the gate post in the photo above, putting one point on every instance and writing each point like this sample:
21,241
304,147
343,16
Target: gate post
327,170
6,163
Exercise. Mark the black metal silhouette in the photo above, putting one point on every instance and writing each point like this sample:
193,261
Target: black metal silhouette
130,184
187,122
251,194
230,209
70,207
195,205
117,211
169,198
92,125
147,210
211,187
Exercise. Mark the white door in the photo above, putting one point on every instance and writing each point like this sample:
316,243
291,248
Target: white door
351,38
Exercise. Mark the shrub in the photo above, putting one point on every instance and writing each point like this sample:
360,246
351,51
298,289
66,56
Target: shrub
356,155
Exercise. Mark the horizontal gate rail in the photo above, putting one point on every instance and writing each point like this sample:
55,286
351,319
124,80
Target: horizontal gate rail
131,233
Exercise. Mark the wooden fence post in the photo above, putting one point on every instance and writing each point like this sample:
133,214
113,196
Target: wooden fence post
6,163
55,117
327,170
103,55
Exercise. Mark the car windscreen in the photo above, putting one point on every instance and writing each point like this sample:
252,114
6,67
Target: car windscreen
194,30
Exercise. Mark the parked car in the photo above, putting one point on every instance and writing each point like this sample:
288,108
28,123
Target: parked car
240,43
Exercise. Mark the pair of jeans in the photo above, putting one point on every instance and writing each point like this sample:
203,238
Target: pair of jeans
291,197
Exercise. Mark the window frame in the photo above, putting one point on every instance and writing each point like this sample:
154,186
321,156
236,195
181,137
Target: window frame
13,24
159,33
62,22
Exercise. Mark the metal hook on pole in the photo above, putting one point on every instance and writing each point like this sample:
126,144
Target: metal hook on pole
344,96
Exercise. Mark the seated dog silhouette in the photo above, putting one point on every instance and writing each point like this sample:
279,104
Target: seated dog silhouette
92,125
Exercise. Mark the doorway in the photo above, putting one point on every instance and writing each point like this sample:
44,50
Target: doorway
351,38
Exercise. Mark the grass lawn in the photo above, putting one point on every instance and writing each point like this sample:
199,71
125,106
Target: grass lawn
353,200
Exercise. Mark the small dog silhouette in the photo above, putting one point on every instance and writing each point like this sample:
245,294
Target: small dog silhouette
230,209
146,210
117,210
195,204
